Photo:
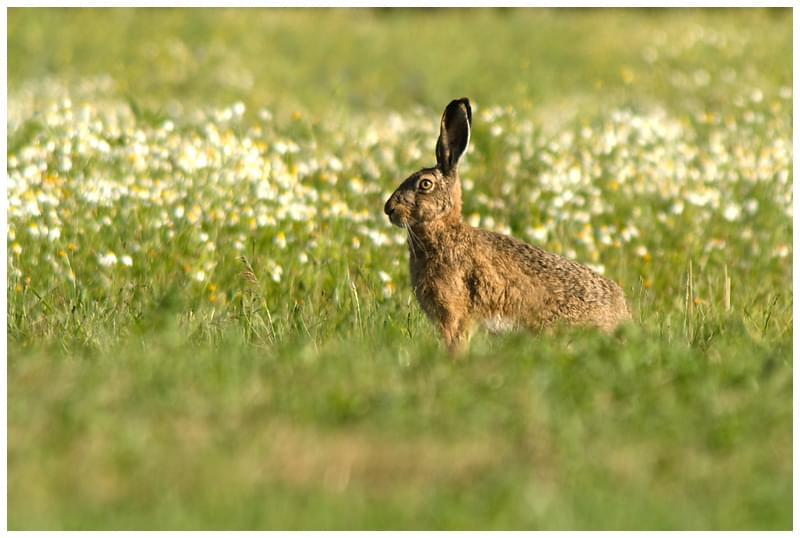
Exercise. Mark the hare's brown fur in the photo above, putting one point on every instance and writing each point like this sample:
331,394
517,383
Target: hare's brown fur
462,275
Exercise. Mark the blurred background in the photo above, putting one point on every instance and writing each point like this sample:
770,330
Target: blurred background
353,59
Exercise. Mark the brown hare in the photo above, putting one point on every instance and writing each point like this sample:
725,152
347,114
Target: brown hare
464,275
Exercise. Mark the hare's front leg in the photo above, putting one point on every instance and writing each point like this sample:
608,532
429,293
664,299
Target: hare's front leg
444,300
456,331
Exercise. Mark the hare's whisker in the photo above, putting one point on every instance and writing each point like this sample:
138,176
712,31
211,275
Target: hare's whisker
414,237
410,241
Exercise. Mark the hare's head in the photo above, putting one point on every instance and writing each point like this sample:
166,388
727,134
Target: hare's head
434,194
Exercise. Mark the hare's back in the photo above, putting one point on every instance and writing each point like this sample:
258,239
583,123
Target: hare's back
572,288
532,260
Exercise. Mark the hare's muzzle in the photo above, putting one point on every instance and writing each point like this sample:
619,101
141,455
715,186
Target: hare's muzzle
389,206
397,210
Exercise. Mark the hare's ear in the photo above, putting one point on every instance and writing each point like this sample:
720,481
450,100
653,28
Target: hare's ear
454,134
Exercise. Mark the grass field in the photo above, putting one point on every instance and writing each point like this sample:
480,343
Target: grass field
210,323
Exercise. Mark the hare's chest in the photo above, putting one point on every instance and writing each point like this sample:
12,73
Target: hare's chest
438,287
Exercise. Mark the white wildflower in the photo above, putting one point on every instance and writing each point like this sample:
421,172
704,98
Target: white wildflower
277,273
732,212
107,260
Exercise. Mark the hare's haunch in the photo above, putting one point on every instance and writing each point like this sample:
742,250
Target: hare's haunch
463,275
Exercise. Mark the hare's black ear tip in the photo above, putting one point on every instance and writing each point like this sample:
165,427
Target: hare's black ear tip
462,103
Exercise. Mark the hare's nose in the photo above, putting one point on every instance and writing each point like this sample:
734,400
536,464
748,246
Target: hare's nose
388,208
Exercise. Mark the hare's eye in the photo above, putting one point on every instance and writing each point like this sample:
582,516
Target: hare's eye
425,185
